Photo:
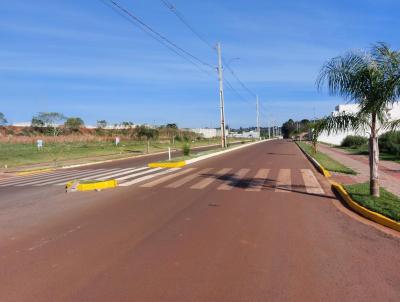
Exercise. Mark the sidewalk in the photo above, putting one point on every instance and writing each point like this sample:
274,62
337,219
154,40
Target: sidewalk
389,172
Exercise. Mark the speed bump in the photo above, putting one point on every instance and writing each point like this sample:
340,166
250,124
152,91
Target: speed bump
90,185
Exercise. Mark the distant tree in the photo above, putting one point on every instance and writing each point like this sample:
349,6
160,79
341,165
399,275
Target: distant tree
288,128
148,133
49,120
101,124
3,120
172,126
74,124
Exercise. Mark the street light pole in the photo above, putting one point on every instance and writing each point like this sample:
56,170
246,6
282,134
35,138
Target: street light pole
221,96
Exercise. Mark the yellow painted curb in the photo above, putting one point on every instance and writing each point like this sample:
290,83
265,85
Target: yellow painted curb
319,167
176,164
91,185
34,172
378,218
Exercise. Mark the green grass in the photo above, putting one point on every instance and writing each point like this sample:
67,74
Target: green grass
15,155
363,150
387,204
326,161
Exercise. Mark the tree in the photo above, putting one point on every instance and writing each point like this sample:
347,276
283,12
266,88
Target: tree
371,80
48,119
101,124
74,123
3,120
172,126
288,128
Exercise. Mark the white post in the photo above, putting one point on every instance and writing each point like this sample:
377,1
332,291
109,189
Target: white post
258,118
169,153
221,96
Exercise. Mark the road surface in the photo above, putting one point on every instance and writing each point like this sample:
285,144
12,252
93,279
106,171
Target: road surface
256,224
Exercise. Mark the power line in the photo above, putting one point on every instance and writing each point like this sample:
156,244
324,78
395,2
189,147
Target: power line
181,17
239,81
124,12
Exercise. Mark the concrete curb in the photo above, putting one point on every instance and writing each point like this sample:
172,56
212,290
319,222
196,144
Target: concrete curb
371,215
316,164
194,160
76,185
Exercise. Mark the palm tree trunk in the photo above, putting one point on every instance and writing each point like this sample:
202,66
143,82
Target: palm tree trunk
374,159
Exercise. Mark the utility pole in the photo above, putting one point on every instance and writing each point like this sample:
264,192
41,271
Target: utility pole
221,96
258,118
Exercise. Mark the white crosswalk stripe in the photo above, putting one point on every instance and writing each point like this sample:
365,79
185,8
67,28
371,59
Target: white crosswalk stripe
166,178
311,182
22,179
143,178
177,178
210,179
29,180
284,181
186,179
102,176
234,180
65,178
258,181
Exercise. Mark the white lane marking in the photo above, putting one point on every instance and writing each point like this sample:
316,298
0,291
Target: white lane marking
258,181
311,182
188,178
166,178
25,177
233,180
28,179
210,179
105,175
134,175
284,181
64,178
143,178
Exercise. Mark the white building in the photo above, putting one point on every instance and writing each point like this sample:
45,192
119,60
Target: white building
337,138
248,134
207,132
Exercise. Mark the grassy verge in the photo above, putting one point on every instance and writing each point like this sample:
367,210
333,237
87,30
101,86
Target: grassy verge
387,204
326,161
363,150
15,155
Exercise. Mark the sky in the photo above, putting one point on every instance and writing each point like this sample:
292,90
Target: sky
81,58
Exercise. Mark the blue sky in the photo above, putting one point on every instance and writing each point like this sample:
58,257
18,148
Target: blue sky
80,58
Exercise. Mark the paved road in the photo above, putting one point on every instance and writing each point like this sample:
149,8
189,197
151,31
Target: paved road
256,224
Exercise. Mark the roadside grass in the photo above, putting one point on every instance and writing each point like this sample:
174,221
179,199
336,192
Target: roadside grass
326,161
387,204
19,154
363,150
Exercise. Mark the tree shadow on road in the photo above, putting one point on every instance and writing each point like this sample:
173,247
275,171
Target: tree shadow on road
232,180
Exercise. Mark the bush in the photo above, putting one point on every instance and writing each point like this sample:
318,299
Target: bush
354,141
390,142
186,149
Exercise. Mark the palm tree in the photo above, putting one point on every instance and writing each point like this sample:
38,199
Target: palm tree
371,80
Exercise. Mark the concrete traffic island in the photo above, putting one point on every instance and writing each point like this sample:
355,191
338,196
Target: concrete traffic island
90,185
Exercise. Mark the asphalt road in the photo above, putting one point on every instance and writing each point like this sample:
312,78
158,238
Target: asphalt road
257,224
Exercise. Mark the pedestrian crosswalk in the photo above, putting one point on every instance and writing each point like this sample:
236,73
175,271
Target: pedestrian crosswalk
222,179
